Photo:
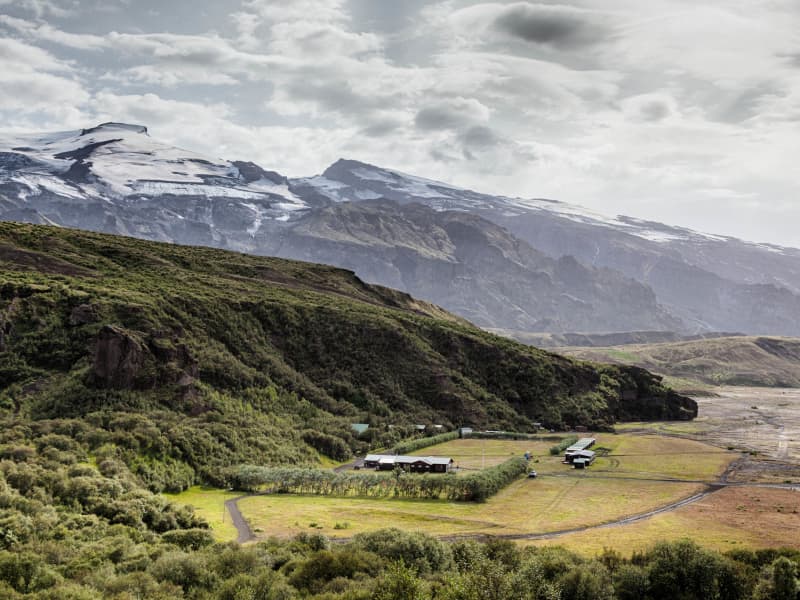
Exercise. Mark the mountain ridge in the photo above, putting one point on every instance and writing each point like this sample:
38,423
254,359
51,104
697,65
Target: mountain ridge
125,182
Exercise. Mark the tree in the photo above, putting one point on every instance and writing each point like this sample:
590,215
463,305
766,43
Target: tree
400,583
779,581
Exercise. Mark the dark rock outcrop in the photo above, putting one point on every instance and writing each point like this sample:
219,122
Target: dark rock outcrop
119,359
83,314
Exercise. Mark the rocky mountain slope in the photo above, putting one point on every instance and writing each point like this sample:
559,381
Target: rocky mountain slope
710,282
470,266
529,265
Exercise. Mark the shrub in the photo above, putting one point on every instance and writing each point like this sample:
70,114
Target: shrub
563,445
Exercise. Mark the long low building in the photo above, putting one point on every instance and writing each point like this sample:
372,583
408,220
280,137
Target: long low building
581,458
415,464
582,445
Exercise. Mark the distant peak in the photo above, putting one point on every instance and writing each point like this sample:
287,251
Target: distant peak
112,126
346,164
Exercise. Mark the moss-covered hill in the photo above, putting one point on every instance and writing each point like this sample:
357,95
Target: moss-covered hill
183,360
739,360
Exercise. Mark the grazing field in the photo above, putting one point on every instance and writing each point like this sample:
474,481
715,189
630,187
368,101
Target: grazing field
734,517
526,506
643,467
629,455
471,454
657,470
209,503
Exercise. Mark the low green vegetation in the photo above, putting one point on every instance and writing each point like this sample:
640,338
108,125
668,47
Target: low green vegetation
183,362
395,565
563,445
410,446
695,365
473,487
130,368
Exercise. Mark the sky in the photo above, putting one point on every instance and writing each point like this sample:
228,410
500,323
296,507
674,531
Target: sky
678,111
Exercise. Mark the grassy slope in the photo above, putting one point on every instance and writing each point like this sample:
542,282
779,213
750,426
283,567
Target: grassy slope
758,361
209,358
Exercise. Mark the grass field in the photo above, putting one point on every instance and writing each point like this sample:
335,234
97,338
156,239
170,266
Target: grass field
635,472
474,454
630,455
561,498
540,505
209,503
735,517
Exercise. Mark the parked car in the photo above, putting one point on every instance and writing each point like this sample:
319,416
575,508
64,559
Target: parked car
533,474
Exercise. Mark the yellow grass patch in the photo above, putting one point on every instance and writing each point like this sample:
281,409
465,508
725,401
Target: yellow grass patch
735,517
209,503
629,455
526,506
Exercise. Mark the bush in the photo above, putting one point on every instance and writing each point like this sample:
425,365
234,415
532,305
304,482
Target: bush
563,445
189,539
420,552
418,444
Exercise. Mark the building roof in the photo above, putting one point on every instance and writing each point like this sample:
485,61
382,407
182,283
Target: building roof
581,444
390,459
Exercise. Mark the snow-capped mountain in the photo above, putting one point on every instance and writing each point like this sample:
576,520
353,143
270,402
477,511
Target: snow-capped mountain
710,282
511,263
115,177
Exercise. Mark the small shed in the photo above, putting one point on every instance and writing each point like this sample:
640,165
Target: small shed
579,446
587,456
359,428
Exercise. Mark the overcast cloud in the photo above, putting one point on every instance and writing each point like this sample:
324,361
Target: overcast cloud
673,110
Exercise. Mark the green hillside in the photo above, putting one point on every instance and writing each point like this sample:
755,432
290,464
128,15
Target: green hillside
740,360
181,361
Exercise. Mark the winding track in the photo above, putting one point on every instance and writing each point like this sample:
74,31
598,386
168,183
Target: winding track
246,533
242,526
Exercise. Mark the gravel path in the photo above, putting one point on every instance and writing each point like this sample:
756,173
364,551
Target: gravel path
242,526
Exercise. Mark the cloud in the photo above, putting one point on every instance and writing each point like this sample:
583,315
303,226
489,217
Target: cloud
653,107
623,105
34,81
47,33
480,136
453,113
563,27
40,8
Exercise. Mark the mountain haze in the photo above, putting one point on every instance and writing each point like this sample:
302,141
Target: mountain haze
526,265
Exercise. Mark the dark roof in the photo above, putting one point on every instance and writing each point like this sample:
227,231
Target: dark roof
407,460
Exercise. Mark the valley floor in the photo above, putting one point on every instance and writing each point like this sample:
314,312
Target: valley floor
729,479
